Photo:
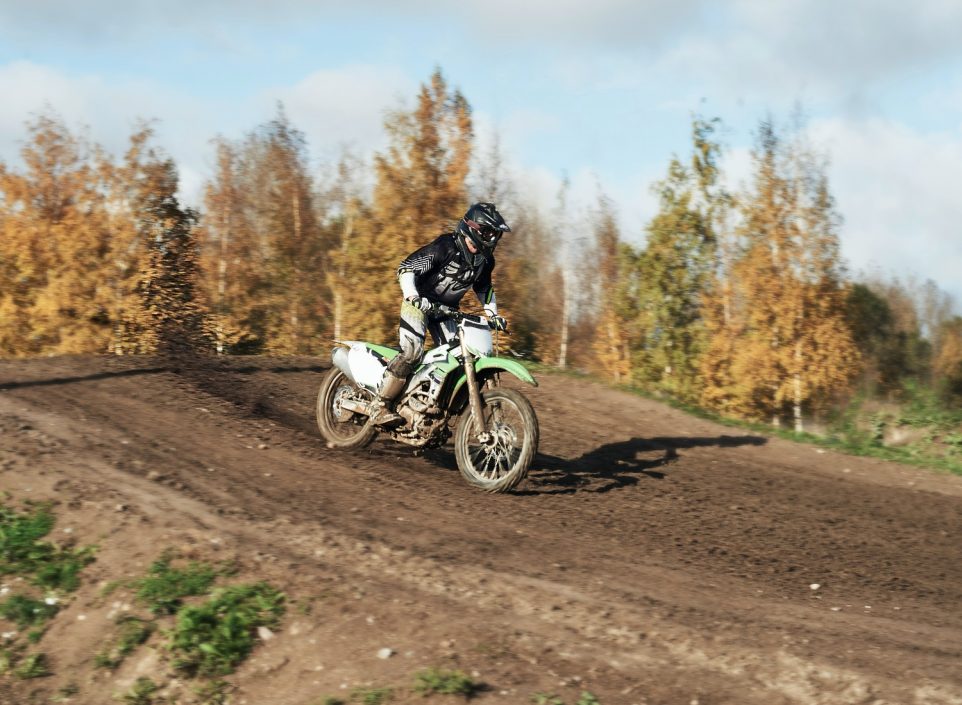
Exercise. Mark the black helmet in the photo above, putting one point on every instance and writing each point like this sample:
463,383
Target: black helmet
484,226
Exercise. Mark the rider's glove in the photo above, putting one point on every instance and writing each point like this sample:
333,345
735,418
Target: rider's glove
498,323
419,302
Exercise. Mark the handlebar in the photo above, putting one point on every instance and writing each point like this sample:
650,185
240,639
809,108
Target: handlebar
441,309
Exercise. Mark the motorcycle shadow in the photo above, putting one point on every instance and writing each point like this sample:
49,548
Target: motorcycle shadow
617,465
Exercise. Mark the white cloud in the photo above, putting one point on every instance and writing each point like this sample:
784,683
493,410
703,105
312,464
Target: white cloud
485,21
345,105
108,112
898,191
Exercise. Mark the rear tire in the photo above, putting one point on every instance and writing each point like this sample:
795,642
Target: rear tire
503,462
341,428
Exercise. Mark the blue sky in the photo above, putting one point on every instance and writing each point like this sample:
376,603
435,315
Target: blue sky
600,92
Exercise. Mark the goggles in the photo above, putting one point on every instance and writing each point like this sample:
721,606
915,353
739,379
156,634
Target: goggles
486,233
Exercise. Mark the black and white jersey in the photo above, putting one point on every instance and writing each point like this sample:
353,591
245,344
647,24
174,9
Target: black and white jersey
442,274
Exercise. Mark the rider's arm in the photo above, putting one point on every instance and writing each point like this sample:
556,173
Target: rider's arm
484,290
418,262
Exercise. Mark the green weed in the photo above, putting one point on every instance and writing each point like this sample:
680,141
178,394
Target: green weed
587,699
33,666
22,552
132,633
433,680
213,692
372,696
142,692
66,693
7,661
546,699
165,586
25,611
212,638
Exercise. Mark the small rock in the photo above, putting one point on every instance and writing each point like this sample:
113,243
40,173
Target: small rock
264,634
261,446
814,586
120,508
385,653
155,476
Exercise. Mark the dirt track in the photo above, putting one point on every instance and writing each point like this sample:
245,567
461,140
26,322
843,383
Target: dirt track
650,557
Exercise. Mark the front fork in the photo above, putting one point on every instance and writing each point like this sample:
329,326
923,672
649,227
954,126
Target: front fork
474,393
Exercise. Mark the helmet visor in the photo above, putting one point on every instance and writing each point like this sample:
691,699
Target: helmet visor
485,235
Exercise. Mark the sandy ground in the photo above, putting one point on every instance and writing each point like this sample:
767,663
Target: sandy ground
650,557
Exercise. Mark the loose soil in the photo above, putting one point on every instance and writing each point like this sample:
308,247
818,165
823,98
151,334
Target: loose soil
650,557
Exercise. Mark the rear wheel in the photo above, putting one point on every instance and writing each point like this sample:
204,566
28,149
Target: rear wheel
341,427
500,461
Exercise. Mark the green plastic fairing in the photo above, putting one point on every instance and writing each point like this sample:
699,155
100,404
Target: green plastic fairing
383,350
498,363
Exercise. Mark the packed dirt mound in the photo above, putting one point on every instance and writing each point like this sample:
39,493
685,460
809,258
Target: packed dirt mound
650,557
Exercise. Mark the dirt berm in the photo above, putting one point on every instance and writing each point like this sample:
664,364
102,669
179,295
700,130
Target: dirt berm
650,557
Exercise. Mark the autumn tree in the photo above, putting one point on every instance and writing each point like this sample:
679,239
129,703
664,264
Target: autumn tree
947,363
420,192
172,319
263,244
608,280
54,247
793,347
676,267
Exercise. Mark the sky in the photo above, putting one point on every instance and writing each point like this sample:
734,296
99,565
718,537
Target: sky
599,93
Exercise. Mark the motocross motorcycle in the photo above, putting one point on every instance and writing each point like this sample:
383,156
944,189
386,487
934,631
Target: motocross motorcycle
458,382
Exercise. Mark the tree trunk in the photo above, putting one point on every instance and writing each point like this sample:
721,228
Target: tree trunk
797,388
565,313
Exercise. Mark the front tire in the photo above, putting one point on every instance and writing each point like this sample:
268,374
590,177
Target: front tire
340,427
499,464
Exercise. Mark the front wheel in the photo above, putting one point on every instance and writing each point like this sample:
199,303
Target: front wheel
341,427
501,461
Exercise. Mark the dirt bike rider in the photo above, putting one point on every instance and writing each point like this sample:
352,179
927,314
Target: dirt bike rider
441,273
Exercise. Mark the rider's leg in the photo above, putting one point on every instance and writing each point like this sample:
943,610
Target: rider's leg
411,334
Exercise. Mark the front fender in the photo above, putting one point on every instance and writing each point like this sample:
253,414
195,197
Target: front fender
485,367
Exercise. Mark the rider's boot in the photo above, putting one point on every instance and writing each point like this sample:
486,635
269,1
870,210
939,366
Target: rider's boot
381,412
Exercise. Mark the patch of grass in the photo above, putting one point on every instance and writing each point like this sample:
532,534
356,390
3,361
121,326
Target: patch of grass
66,693
25,611
23,553
33,666
142,692
587,699
434,680
165,587
213,692
372,696
20,534
132,633
546,699
7,660
213,637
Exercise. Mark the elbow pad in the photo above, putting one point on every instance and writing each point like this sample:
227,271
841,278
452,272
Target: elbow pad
408,289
